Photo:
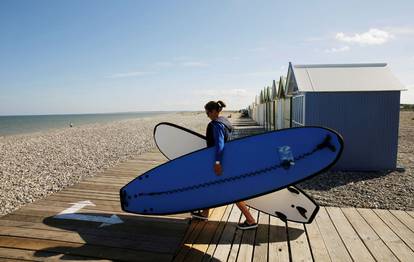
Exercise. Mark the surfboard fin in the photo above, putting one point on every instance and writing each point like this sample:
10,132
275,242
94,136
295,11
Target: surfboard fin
302,211
293,190
281,216
327,143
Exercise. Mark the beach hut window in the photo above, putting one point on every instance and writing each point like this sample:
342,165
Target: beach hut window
298,110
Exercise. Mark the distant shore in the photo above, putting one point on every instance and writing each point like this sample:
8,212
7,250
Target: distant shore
26,124
35,165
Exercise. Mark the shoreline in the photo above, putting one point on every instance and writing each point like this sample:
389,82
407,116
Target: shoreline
30,124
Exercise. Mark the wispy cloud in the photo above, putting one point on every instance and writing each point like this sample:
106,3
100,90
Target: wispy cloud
260,73
400,30
373,36
257,49
194,64
164,64
131,74
337,49
235,92
407,97
234,98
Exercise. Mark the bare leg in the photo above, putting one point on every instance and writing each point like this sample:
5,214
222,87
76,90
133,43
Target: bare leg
243,208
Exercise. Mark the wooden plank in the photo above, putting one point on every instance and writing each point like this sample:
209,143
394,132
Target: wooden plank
235,246
278,240
129,228
88,196
317,245
403,232
348,235
82,185
144,242
217,234
397,246
80,249
179,218
111,207
13,254
189,240
405,218
180,253
247,243
223,246
98,192
261,243
200,245
299,246
333,242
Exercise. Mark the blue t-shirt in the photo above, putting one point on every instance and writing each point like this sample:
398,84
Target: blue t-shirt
217,135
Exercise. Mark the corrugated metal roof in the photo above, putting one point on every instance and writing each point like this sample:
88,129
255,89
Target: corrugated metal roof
345,77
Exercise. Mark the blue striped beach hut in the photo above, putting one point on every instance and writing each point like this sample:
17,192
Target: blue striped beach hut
361,101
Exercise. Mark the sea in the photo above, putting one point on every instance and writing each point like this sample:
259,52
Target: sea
24,124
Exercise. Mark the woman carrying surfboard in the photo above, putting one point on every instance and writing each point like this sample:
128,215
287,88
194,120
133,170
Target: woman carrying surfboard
217,134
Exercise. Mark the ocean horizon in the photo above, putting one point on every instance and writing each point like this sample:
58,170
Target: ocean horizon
26,124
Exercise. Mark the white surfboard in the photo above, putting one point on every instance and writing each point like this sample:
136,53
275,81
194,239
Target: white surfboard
289,204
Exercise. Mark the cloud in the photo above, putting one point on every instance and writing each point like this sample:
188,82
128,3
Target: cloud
373,36
235,92
257,49
130,74
400,30
407,97
163,64
337,50
194,64
261,73
235,98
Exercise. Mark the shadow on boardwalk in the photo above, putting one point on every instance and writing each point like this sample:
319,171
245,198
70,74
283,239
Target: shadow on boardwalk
136,237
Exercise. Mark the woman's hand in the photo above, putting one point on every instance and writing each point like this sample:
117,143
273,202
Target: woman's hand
217,169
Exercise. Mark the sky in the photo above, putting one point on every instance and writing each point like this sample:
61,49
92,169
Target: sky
77,56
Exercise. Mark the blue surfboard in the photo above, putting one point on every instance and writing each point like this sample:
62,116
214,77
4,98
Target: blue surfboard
252,166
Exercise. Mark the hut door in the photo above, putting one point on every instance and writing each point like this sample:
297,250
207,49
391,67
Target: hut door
280,115
298,110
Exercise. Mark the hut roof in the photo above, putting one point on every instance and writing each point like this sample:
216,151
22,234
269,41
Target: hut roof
281,92
341,78
275,89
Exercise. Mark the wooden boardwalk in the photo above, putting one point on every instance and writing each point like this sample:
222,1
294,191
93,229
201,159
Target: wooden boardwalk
34,233
337,234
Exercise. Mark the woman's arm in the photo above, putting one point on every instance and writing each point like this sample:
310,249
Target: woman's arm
218,132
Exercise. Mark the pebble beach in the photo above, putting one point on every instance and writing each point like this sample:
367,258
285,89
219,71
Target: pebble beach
35,165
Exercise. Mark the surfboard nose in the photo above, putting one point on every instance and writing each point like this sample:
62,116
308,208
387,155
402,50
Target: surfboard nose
123,199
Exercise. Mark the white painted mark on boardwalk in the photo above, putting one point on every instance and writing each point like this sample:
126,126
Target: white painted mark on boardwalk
70,213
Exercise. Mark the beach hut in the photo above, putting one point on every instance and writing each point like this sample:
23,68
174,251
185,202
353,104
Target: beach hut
273,104
283,109
268,105
361,101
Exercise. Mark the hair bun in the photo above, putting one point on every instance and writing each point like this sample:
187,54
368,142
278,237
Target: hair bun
221,103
